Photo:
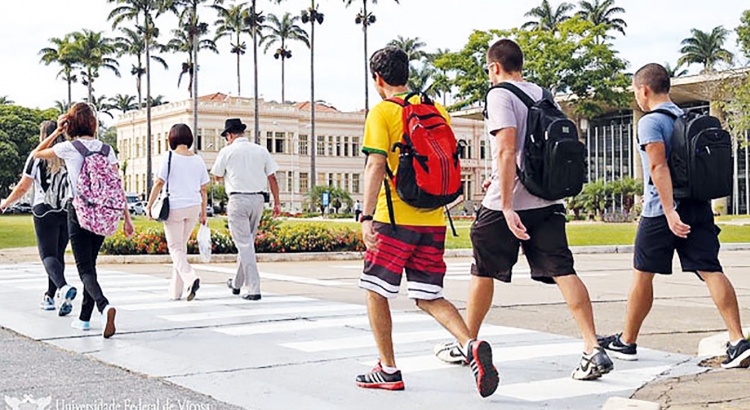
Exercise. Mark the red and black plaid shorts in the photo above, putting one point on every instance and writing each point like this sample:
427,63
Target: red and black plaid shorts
416,249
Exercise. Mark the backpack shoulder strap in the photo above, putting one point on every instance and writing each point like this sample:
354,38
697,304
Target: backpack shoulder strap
105,150
78,145
528,101
668,113
397,101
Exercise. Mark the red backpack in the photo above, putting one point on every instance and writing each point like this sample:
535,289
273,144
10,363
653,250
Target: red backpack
429,166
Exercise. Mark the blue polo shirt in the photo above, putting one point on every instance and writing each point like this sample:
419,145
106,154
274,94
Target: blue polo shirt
654,128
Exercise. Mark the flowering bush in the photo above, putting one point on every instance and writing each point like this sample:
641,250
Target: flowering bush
273,239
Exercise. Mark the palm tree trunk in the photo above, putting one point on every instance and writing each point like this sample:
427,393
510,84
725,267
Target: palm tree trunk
239,92
283,61
90,86
138,74
195,77
70,91
149,148
313,139
367,76
256,117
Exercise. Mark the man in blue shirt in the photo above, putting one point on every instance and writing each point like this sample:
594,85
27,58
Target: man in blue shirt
666,225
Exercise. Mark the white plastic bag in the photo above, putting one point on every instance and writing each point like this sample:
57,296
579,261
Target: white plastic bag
204,243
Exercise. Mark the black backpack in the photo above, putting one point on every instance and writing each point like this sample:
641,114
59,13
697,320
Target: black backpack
554,160
700,161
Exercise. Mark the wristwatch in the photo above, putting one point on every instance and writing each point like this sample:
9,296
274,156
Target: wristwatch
364,218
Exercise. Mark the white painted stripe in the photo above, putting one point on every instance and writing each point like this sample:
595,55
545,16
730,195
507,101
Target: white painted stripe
114,286
398,338
566,387
125,279
294,311
315,324
178,304
164,296
422,363
277,277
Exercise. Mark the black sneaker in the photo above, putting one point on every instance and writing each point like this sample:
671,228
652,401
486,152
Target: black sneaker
618,349
192,289
377,378
479,357
230,285
593,366
737,356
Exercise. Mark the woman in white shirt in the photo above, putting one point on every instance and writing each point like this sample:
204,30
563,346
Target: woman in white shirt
50,182
186,179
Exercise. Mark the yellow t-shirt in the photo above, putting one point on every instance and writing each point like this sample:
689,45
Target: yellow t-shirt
383,128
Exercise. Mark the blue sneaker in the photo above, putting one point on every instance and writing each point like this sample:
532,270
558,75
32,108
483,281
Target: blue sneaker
67,294
80,325
47,303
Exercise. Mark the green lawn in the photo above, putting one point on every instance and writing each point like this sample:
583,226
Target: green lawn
18,231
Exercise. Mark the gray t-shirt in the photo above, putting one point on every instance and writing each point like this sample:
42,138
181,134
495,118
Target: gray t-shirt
505,110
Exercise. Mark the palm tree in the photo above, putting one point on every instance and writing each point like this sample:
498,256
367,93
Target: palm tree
101,106
676,71
279,31
4,100
158,100
231,24
313,16
602,13
413,47
143,13
61,54
706,48
131,43
183,42
442,84
124,103
62,106
365,18
92,49
546,17
419,80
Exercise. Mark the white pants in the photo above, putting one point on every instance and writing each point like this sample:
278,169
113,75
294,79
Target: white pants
244,212
178,228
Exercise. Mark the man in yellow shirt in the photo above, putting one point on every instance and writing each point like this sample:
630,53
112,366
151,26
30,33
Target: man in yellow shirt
416,245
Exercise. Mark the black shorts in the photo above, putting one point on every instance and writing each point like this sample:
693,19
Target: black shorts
655,243
496,248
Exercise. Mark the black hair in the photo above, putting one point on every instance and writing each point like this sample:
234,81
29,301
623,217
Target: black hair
391,64
654,76
508,54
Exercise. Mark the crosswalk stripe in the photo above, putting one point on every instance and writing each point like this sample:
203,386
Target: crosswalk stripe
298,311
566,387
306,325
357,342
278,277
176,304
103,279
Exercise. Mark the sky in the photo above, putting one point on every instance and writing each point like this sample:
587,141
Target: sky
655,30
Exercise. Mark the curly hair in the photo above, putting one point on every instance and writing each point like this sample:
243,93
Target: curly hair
392,65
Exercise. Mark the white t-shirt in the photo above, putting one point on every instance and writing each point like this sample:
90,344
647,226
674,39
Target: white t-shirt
245,167
186,176
74,160
31,170
505,110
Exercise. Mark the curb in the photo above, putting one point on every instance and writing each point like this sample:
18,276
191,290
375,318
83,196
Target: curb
619,403
716,345
349,256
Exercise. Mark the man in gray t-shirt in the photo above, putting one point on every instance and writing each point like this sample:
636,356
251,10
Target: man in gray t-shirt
510,217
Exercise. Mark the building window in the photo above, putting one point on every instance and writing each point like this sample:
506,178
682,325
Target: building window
355,146
199,139
269,141
346,146
279,142
304,182
465,150
302,145
331,146
355,183
330,179
321,146
321,178
482,149
338,146
346,182
290,181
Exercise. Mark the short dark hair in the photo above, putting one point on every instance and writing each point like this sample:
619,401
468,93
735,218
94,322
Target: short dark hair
508,54
654,76
180,134
392,64
81,121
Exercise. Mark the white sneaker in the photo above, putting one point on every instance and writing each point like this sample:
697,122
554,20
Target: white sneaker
450,353
80,325
66,294
108,321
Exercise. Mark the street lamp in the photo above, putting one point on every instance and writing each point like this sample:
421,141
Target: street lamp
312,16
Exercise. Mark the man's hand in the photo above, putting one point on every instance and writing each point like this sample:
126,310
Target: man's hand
515,225
369,236
204,217
680,229
276,209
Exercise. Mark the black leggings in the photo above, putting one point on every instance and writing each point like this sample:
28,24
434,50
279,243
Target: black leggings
51,239
86,245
